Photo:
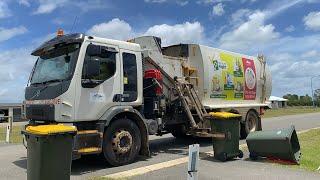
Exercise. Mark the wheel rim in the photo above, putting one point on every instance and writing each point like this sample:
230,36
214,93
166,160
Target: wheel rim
121,142
252,124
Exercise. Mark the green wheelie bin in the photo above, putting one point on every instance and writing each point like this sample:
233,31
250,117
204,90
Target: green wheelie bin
227,124
49,151
279,144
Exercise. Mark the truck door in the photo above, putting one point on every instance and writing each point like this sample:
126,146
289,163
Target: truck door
98,93
130,77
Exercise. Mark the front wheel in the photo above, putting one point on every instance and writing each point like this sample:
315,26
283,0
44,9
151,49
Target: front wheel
122,142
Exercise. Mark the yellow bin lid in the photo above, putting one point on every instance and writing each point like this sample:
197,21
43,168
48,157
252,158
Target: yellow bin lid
224,115
50,129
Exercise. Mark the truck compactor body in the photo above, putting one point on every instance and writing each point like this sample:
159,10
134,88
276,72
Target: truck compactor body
117,93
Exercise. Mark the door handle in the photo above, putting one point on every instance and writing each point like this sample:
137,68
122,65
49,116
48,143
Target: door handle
117,98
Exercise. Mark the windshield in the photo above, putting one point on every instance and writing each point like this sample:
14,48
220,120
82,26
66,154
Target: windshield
56,64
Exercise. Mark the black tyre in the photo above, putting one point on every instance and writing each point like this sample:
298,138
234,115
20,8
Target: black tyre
240,154
121,142
251,124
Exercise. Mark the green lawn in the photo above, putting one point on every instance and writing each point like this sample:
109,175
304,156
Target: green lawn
310,148
15,137
289,111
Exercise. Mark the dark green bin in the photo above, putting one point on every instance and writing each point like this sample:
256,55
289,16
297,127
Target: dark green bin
49,155
227,124
280,144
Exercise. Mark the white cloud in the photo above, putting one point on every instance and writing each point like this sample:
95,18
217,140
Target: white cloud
6,34
24,3
280,6
311,54
251,1
48,6
249,34
240,16
217,10
3,91
292,75
182,3
209,2
170,34
188,32
114,29
155,1
179,2
312,21
290,28
4,10
15,67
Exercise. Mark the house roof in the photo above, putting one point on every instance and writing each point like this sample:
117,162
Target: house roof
6,105
275,98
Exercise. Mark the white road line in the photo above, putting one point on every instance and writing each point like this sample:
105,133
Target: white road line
167,164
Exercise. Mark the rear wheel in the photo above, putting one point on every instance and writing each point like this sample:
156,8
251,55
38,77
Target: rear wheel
122,142
250,125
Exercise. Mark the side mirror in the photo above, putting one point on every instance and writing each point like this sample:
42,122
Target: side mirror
93,50
92,68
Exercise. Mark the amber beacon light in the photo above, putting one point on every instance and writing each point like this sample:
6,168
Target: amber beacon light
60,32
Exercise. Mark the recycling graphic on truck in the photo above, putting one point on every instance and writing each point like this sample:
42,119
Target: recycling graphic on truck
233,77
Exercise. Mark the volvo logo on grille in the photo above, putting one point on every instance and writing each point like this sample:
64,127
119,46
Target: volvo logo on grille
37,93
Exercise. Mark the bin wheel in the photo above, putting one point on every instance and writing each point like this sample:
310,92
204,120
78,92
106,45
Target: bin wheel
223,157
250,125
240,154
121,142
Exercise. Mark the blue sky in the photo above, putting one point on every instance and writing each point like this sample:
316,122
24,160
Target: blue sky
287,32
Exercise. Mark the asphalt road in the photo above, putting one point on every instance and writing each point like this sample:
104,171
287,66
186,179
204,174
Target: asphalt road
165,148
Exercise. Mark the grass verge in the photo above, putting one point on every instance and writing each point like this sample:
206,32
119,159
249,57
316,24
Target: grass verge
289,111
310,143
15,136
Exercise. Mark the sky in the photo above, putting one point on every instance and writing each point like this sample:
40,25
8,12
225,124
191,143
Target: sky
286,32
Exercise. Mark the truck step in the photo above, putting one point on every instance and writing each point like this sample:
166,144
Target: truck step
88,142
90,150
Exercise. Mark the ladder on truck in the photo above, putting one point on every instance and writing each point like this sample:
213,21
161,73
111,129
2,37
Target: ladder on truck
190,100
187,95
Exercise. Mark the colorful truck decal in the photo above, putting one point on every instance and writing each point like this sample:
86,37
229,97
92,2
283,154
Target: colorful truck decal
233,77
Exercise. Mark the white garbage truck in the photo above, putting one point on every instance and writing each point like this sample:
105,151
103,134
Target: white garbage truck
117,93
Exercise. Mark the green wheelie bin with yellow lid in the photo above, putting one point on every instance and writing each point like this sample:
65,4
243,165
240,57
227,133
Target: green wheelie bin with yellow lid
227,124
49,151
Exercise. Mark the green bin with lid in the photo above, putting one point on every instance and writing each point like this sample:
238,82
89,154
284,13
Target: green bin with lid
280,144
228,124
49,151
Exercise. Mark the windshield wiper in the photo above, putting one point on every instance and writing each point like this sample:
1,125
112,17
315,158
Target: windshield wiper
53,80
49,81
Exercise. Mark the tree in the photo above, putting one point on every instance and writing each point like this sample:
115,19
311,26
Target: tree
295,100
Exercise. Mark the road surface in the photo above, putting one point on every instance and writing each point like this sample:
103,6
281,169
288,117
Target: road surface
165,148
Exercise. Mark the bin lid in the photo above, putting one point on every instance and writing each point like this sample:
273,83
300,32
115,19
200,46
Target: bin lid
224,115
50,129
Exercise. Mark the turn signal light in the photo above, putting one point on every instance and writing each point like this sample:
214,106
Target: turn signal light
60,32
